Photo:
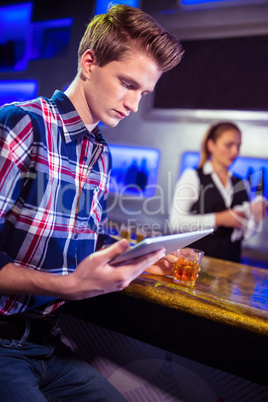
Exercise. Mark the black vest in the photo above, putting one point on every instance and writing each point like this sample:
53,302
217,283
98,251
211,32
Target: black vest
218,244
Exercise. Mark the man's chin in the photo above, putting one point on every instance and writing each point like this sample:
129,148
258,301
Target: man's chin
111,123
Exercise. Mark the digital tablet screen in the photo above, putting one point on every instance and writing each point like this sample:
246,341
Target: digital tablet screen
169,242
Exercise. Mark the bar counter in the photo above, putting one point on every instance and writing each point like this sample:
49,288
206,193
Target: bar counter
222,321
225,292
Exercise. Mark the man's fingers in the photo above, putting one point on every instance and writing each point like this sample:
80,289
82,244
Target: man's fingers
109,253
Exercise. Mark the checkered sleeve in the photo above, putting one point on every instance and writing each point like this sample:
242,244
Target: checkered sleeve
15,147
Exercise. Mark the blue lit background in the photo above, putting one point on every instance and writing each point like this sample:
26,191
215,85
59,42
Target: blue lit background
102,5
17,90
15,36
186,2
134,170
22,40
230,2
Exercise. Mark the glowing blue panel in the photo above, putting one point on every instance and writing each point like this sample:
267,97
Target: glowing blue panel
189,160
14,21
21,40
134,170
11,91
14,35
188,2
49,38
220,3
102,5
252,169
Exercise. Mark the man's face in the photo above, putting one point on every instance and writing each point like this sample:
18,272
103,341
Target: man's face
115,90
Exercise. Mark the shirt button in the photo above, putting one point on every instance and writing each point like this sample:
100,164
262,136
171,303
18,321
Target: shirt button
76,236
84,158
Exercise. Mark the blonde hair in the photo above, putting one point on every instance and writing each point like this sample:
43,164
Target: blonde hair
213,133
123,27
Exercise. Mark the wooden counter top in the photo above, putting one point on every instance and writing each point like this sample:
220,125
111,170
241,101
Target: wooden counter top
222,321
224,292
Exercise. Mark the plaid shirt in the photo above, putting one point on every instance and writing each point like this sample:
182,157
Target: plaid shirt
54,177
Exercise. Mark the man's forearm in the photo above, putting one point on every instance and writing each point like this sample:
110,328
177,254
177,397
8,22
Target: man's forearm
20,280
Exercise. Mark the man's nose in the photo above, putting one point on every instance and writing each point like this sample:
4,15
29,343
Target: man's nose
132,101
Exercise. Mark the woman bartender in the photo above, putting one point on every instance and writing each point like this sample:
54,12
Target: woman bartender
211,196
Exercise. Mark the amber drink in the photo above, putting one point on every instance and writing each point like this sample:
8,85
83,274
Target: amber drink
125,232
187,266
140,236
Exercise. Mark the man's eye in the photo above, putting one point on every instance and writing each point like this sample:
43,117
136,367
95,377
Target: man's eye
128,86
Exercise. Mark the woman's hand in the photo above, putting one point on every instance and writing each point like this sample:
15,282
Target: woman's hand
231,218
258,209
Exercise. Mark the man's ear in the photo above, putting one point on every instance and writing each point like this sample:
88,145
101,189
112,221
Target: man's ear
87,59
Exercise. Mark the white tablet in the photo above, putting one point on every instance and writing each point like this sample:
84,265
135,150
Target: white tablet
169,242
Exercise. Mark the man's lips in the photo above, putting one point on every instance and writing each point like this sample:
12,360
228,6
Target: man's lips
121,115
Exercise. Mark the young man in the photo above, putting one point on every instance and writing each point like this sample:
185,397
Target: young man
54,174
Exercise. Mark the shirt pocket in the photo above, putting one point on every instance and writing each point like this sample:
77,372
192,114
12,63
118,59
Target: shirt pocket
95,188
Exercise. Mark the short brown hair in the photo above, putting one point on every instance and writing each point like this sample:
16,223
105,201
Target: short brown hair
123,27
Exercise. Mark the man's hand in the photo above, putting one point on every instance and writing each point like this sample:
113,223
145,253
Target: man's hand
94,276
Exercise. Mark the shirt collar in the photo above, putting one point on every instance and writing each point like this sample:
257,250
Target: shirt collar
72,124
208,169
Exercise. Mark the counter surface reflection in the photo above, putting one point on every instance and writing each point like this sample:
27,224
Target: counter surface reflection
224,292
